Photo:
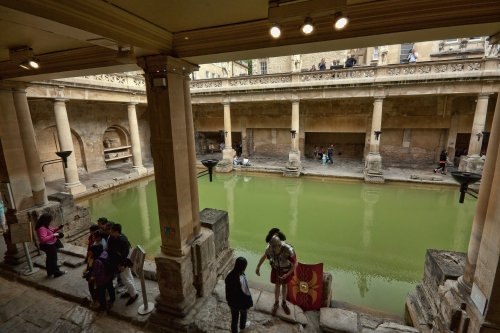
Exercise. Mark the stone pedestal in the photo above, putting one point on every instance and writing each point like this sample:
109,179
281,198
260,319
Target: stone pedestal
217,221
294,166
204,264
373,168
175,280
224,166
228,154
437,305
471,164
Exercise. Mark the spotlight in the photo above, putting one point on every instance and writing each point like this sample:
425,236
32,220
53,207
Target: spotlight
275,31
307,28
341,21
31,63
34,63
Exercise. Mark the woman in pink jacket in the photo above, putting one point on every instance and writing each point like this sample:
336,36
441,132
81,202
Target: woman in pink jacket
48,237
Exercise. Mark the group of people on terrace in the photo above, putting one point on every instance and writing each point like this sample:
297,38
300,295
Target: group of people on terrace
107,258
322,66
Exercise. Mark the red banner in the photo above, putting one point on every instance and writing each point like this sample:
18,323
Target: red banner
306,287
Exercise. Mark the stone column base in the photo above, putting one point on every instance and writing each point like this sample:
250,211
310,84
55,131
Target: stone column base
294,166
373,168
228,154
175,281
75,188
224,166
471,164
204,264
140,170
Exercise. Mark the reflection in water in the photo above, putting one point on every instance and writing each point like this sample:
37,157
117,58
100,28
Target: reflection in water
371,238
144,210
293,189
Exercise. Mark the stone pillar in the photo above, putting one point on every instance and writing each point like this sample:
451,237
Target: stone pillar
293,166
244,141
482,202
30,147
373,162
135,140
228,153
72,184
172,150
484,304
195,205
452,138
473,162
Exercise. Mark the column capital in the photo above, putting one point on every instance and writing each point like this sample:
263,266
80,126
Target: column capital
295,100
378,98
61,100
158,65
484,95
226,103
132,103
13,85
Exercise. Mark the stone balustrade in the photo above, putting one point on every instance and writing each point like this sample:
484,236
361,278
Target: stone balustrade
472,69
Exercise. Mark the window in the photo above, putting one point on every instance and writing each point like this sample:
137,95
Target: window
213,75
375,53
405,49
207,75
193,76
475,39
263,67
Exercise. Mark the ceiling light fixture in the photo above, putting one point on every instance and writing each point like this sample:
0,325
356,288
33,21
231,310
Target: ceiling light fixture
307,28
275,31
34,63
341,21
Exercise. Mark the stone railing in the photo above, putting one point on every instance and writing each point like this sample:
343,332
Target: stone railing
134,82
442,70
425,71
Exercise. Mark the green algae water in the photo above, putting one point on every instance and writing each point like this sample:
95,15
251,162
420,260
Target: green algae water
372,238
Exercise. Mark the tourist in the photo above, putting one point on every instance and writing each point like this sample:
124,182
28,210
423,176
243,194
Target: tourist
100,238
102,277
330,154
101,222
211,148
313,68
442,162
87,275
350,62
118,250
49,237
315,152
91,239
3,221
238,295
222,146
412,56
283,264
237,161
322,64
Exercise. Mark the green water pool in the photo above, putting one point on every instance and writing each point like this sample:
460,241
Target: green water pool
372,238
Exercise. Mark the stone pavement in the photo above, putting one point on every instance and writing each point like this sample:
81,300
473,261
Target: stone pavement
24,309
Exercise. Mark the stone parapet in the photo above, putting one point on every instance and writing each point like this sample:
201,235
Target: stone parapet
437,304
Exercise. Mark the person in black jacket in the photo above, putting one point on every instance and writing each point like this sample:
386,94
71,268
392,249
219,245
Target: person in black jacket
238,294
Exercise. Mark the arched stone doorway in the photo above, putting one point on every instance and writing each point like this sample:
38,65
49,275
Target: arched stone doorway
48,144
116,145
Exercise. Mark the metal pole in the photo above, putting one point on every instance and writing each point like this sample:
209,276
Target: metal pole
31,270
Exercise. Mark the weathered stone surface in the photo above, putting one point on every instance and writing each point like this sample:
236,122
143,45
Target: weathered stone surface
203,256
82,317
217,221
338,320
393,328
326,297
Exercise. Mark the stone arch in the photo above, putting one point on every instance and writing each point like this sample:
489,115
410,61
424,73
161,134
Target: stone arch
116,145
48,144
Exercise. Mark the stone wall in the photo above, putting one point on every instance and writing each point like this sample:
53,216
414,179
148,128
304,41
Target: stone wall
89,122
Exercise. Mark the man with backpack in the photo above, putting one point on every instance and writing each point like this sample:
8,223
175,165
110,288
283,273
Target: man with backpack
118,250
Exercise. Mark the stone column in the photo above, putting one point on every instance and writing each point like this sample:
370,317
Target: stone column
373,163
72,184
195,205
135,140
293,165
473,163
244,141
228,153
452,138
30,147
482,201
172,151
484,303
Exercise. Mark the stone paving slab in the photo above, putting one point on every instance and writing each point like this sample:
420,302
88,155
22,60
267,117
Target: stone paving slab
27,310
